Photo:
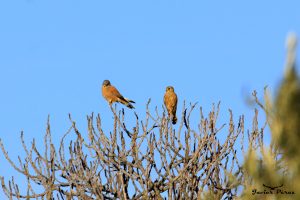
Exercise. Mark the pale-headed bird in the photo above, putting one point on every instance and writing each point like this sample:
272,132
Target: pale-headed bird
111,94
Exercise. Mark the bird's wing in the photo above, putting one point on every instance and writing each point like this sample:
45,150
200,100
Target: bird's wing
174,96
166,100
118,97
114,92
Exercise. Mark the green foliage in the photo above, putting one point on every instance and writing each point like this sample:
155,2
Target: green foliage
274,173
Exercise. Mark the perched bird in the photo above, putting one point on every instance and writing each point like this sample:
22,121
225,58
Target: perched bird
111,94
170,100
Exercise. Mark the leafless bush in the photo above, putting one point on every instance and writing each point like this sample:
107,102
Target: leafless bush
153,160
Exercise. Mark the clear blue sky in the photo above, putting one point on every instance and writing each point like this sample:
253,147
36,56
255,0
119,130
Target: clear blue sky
55,54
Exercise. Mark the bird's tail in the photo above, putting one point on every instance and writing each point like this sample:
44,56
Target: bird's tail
128,103
174,120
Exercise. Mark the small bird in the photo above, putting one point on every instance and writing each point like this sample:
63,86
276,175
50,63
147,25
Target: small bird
111,94
170,100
